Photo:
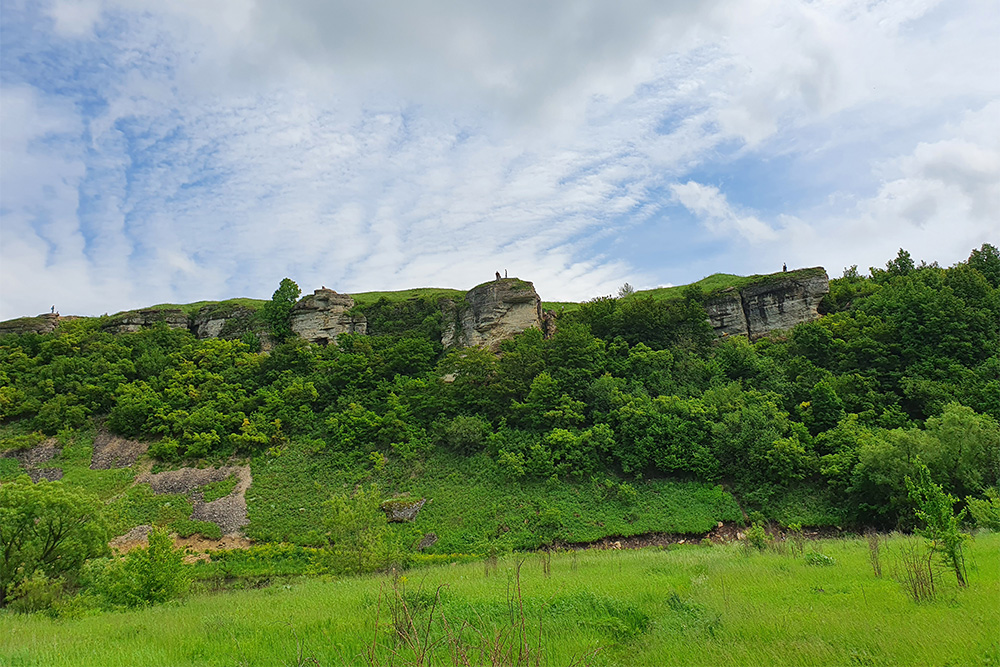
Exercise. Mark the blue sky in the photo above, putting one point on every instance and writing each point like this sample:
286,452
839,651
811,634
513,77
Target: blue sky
172,152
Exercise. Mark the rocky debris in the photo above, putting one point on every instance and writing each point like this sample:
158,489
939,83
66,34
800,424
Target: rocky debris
113,451
775,302
322,316
186,480
400,510
493,312
31,458
137,320
229,512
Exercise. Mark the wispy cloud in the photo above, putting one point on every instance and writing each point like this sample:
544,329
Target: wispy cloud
188,150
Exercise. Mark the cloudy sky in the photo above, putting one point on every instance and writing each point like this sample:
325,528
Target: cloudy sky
204,149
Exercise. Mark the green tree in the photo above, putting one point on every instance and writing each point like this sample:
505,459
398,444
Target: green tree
46,527
277,311
986,260
935,509
357,532
146,576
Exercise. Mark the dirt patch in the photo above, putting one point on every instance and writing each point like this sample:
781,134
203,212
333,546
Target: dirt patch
197,543
112,451
30,460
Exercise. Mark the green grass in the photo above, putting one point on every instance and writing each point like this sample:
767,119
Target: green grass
472,505
684,606
366,298
191,309
221,489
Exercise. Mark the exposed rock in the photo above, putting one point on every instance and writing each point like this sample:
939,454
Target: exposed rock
428,540
30,458
42,324
113,451
399,510
137,320
775,302
493,312
215,322
322,316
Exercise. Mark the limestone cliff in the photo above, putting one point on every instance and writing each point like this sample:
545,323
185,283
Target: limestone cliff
322,316
137,320
492,312
42,324
768,303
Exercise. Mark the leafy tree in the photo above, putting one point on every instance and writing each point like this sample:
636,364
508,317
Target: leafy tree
151,575
935,509
357,533
277,311
46,527
986,260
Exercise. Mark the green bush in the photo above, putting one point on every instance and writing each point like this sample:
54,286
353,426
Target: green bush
146,576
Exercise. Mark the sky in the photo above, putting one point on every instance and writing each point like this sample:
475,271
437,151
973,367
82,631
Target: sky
170,152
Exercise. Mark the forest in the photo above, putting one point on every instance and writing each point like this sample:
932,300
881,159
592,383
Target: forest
632,399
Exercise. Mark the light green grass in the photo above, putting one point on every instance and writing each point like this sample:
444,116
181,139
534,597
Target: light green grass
433,293
685,606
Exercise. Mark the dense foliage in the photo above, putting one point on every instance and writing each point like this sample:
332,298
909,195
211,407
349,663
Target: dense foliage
904,366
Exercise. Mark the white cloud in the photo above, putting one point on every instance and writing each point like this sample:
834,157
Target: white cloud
188,150
711,208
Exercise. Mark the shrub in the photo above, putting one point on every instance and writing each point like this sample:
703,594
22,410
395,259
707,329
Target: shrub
813,558
145,576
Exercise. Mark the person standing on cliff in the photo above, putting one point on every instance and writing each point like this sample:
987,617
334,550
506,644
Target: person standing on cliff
498,275
784,268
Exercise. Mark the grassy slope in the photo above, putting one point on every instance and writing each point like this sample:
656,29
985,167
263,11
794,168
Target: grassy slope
684,606
470,504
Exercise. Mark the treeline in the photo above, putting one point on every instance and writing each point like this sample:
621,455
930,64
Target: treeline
904,367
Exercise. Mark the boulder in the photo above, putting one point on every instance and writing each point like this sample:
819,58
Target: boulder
400,510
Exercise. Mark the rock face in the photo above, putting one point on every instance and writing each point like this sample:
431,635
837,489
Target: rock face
214,322
137,320
401,510
43,324
493,312
322,316
775,302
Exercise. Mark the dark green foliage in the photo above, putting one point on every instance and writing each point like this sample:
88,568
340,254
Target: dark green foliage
49,528
276,312
187,528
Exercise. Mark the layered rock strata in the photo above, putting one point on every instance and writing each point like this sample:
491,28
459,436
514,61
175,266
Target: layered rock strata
492,313
773,303
137,320
323,315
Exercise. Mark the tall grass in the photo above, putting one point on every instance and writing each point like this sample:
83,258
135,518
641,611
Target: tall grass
682,606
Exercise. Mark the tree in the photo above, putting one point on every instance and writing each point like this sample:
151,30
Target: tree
46,527
277,311
986,260
358,534
145,576
935,509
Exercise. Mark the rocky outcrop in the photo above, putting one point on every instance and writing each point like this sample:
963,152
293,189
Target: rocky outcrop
401,510
137,320
323,315
218,321
42,324
770,303
493,312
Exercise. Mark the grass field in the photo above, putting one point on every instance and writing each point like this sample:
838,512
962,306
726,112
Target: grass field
683,606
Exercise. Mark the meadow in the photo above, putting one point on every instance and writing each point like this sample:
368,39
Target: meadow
820,604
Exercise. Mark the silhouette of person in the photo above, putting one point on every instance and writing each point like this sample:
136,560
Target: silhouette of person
505,273
784,267
498,275
53,310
